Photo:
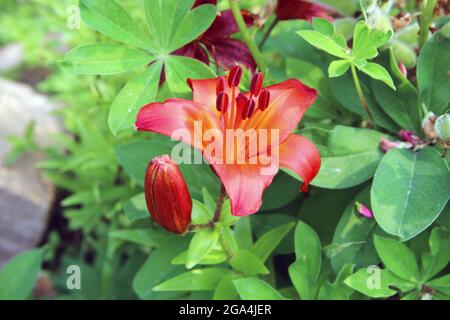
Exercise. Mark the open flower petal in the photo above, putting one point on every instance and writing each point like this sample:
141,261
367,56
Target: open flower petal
178,118
244,185
288,102
301,156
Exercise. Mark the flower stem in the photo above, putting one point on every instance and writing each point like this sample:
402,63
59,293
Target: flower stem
234,5
268,32
362,100
219,204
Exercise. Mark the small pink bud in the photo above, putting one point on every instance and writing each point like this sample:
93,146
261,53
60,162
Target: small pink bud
363,210
408,136
403,69
386,145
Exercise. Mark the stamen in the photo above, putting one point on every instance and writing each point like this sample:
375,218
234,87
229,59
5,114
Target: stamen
234,77
256,84
264,99
248,106
240,100
220,86
222,102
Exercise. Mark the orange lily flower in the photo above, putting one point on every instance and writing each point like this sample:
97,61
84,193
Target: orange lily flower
219,105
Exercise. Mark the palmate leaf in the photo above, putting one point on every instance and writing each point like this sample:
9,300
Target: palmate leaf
173,24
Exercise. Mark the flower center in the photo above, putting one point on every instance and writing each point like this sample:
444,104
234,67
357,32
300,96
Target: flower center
238,109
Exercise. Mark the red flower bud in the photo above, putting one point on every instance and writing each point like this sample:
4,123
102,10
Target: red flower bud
167,196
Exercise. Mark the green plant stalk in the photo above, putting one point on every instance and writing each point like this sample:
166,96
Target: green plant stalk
268,32
362,100
234,5
425,20
219,204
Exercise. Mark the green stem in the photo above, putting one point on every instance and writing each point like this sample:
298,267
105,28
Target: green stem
268,32
219,204
234,5
425,20
362,100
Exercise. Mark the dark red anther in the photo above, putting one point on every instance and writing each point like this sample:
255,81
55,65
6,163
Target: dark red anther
264,99
234,77
241,99
222,102
220,86
256,84
251,109
248,106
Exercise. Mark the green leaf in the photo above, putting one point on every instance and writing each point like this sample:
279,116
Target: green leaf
338,67
225,289
398,258
200,213
378,72
441,284
403,186
136,208
201,244
109,18
18,275
304,272
104,59
135,155
337,290
362,48
215,256
432,74
194,280
247,262
439,255
269,241
256,289
349,156
173,24
179,69
146,237
282,191
138,92
352,240
323,42
243,233
157,268
323,26
376,283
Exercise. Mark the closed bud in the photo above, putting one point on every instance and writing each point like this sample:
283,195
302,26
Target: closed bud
386,145
442,127
408,136
428,126
167,196
364,210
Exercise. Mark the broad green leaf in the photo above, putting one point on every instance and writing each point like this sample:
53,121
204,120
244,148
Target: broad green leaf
201,244
432,74
323,26
362,47
158,268
146,237
282,191
378,72
376,283
444,217
349,156
135,155
439,255
178,69
337,290
194,280
265,222
172,23
403,185
138,92
225,289
269,241
215,256
200,213
398,258
441,284
313,76
104,59
304,272
352,238
323,42
247,262
243,233
256,289
338,67
344,91
109,18
18,275
136,208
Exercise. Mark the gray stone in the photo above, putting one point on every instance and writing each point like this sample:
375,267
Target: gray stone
25,196
11,56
